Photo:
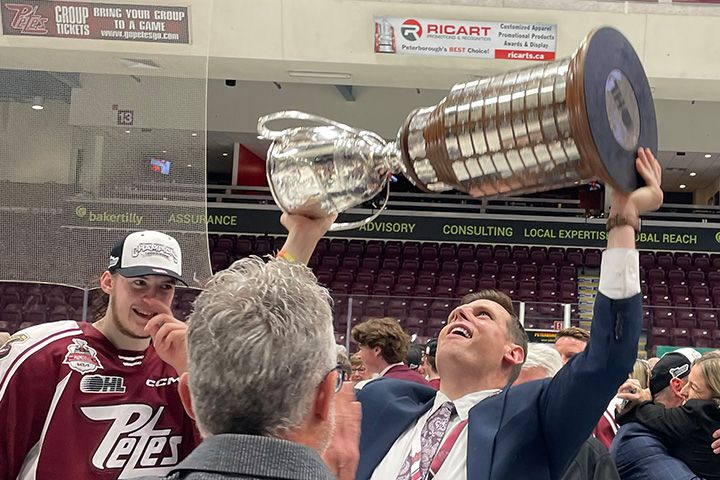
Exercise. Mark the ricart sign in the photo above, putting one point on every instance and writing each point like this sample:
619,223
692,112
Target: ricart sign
461,38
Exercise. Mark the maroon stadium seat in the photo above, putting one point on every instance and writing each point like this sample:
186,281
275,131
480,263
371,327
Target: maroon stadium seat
702,338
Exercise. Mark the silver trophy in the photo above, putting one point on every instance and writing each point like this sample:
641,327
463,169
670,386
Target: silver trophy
528,130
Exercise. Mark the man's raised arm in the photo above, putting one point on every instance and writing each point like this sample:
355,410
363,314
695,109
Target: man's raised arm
303,235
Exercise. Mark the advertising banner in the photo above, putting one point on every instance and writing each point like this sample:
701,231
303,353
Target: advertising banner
99,21
399,226
463,38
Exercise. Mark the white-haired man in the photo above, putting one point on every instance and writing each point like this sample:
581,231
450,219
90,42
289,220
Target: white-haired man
542,361
262,372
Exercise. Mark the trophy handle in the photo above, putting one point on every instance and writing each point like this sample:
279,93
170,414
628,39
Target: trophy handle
337,227
265,132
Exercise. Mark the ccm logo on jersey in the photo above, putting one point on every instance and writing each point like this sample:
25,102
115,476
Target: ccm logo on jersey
132,443
162,382
102,384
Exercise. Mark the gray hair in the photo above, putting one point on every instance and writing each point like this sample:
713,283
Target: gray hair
545,356
260,340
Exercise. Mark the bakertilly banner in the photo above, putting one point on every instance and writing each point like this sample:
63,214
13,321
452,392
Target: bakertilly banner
396,225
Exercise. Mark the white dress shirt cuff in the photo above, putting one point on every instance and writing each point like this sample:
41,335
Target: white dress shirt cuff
620,273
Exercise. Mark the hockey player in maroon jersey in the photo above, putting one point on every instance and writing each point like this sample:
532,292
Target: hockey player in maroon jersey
100,401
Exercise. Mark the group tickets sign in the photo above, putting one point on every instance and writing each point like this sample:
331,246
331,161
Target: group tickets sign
460,38
100,21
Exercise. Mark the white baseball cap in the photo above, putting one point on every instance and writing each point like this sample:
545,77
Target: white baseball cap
147,253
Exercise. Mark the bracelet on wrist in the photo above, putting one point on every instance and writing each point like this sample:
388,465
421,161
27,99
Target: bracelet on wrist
621,220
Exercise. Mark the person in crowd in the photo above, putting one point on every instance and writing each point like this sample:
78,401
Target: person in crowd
570,342
265,403
431,373
637,452
383,346
477,427
542,361
593,461
108,388
344,362
641,372
413,359
686,431
359,372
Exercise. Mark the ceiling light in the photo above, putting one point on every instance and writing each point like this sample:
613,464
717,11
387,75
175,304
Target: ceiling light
127,131
225,154
692,174
682,185
310,74
37,103
193,134
189,165
708,155
164,151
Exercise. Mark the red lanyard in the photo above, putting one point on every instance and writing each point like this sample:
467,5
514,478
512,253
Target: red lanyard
445,449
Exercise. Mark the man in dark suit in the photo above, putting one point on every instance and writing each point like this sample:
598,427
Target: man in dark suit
476,427
593,461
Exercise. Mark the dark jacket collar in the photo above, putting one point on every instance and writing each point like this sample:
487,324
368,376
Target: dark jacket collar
257,456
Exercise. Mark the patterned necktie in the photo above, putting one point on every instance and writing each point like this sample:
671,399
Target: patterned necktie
417,464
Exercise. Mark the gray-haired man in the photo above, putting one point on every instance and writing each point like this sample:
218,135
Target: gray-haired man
262,371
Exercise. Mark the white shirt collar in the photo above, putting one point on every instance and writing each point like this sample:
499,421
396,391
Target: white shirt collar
466,402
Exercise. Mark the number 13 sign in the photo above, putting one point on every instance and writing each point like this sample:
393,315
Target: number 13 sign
125,117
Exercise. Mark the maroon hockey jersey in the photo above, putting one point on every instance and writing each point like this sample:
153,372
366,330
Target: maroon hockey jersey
72,406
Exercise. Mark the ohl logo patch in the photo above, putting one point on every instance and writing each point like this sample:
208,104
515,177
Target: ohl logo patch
102,384
81,357
411,30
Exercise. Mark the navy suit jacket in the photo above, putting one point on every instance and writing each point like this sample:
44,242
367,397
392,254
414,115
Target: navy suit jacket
529,431
639,455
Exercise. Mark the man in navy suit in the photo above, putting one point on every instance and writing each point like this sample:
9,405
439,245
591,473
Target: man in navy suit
532,430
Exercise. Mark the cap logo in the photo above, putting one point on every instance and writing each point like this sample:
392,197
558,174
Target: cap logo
113,261
155,249
677,372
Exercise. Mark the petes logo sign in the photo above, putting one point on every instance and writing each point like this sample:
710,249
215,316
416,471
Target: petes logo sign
459,38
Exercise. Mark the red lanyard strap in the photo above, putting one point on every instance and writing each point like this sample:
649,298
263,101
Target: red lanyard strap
445,449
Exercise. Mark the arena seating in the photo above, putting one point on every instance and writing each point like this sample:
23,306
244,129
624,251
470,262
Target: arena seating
421,282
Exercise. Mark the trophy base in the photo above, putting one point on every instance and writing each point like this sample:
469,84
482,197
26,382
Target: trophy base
611,109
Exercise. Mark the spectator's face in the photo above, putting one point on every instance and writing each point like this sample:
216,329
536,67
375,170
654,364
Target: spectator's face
475,339
359,373
696,387
370,357
568,347
134,301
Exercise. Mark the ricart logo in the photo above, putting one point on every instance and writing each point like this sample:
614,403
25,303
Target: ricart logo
411,30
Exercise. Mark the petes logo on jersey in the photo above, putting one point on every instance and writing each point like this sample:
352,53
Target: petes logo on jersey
81,357
132,443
